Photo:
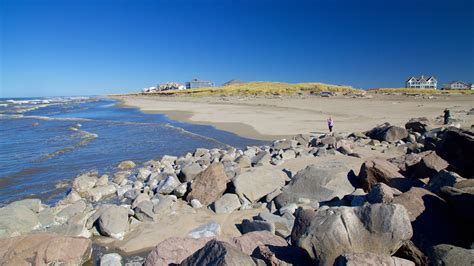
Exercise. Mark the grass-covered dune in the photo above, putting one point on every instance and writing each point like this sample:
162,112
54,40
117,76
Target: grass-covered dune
263,88
418,91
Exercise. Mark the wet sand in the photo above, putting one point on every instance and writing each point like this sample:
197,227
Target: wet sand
275,117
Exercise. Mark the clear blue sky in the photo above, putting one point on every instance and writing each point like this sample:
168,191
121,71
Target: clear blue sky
73,47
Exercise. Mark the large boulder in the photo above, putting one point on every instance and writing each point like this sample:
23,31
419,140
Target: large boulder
442,179
431,218
461,203
387,132
258,182
429,165
420,125
209,185
378,228
378,170
447,255
367,258
218,253
17,220
317,183
303,218
113,222
44,249
457,147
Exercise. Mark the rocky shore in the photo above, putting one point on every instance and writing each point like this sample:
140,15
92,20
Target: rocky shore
388,196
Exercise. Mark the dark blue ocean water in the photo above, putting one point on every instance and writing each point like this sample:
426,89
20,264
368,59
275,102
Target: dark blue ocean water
45,143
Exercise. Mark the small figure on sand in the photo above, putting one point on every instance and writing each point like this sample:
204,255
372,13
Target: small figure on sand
447,115
330,124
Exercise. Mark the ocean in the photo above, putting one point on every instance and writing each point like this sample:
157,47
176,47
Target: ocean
46,142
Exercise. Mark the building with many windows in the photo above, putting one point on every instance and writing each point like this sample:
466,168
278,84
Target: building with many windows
421,83
195,83
458,85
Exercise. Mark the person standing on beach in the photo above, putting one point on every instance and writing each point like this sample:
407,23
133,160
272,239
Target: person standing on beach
447,115
330,124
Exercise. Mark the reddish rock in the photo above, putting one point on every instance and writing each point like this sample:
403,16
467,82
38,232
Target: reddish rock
250,241
44,249
174,250
218,253
428,166
209,185
378,170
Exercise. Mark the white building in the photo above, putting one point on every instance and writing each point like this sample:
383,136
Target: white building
421,83
458,85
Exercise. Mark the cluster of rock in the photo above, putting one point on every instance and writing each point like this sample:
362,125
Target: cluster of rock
411,208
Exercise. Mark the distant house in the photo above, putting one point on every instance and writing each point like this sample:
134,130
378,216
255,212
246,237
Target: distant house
195,83
421,83
458,85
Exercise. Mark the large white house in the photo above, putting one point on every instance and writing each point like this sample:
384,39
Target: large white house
421,83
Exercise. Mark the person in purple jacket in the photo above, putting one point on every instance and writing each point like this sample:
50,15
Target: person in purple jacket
330,124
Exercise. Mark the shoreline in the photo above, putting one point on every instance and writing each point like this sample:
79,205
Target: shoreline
278,117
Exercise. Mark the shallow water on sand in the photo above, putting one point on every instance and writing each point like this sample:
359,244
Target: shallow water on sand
46,142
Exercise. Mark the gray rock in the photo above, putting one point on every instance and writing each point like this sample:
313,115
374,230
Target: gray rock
420,125
167,185
256,225
143,174
46,218
244,161
120,177
367,258
113,222
201,152
282,224
317,183
71,210
196,204
111,259
99,193
17,220
189,172
257,183
32,204
284,144
140,198
387,132
102,181
262,158
84,182
381,193
302,139
181,190
144,211
211,229
446,255
227,203
218,253
377,228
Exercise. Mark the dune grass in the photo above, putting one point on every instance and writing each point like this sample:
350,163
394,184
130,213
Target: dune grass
419,91
263,88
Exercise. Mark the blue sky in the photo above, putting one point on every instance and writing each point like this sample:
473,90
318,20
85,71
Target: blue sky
82,47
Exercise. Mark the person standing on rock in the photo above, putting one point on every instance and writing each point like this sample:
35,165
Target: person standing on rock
330,124
447,115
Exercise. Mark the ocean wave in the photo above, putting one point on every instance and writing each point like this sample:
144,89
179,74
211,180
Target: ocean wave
19,116
85,136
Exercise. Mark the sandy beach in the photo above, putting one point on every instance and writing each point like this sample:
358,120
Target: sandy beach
274,117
